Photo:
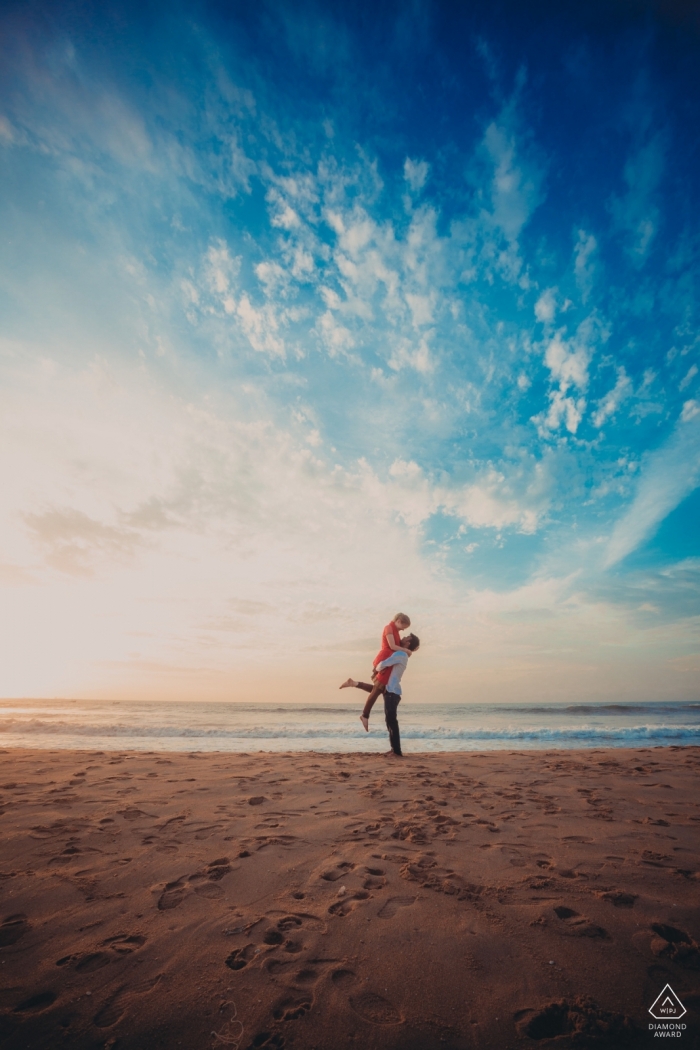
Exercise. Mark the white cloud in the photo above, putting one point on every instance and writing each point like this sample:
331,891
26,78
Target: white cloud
514,192
261,326
7,133
636,213
584,265
691,409
561,409
415,173
406,355
667,477
336,338
546,306
221,270
273,277
608,405
421,307
568,362
688,377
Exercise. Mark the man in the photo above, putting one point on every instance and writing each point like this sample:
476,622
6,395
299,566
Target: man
398,662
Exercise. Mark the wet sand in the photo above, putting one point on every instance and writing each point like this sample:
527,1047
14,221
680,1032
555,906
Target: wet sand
454,900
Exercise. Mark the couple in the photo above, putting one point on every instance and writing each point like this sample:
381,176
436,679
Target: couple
389,665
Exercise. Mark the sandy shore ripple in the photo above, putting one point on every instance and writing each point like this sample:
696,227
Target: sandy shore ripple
458,900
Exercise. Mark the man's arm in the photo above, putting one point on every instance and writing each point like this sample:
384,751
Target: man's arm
395,658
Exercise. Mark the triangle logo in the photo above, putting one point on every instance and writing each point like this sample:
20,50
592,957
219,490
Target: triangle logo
667,1006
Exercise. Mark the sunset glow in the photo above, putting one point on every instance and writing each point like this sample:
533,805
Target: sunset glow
306,320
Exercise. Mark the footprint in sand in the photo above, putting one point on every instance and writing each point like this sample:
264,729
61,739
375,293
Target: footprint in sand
175,892
277,937
13,928
578,925
90,963
618,898
170,846
375,1009
134,814
389,910
343,907
292,1008
306,976
340,869
210,891
273,840
36,1002
125,943
120,944
173,895
676,945
240,957
607,1030
343,978
114,1008
292,921
441,880
112,1011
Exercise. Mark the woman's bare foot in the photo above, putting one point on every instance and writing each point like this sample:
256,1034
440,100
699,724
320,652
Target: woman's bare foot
350,684
365,722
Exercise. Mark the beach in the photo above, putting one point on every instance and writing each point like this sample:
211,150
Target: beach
313,900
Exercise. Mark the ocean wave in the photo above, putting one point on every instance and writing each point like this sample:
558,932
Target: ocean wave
584,734
666,708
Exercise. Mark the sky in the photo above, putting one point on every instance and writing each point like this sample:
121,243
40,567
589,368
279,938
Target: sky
315,312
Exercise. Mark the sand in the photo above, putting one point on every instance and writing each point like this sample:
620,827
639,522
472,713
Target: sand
451,900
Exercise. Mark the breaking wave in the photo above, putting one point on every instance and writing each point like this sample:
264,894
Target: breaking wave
585,735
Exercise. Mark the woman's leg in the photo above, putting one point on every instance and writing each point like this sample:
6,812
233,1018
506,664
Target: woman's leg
376,690
391,703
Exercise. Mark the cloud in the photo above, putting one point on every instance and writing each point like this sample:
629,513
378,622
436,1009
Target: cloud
688,377
667,477
608,405
247,356
584,265
691,409
636,213
515,189
568,362
74,541
261,326
7,132
546,306
415,173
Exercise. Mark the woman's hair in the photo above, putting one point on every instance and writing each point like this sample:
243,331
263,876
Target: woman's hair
404,619
413,642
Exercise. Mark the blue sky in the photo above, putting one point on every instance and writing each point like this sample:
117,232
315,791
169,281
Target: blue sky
312,310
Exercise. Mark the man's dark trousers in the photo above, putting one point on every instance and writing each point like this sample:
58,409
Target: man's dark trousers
391,703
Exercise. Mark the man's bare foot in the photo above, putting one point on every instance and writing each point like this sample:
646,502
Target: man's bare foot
365,721
392,754
350,684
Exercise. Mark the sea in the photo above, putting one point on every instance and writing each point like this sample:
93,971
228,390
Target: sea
182,726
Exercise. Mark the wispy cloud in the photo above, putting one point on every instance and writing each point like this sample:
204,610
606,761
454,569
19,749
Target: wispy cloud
668,476
281,349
